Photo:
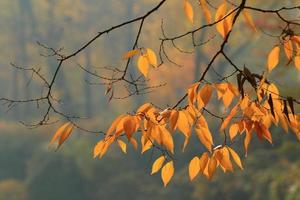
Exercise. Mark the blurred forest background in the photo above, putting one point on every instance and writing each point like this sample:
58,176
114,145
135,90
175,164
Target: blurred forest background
30,170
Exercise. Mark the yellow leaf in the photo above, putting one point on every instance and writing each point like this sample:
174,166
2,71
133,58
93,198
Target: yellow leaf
247,141
158,164
188,10
203,162
288,49
143,65
62,134
192,91
129,126
221,12
233,130
98,148
194,167
249,20
183,124
206,11
229,117
204,136
273,58
225,160
114,126
167,172
131,53
146,143
297,62
151,57
173,119
122,145
204,95
144,108
227,98
212,166
167,139
235,157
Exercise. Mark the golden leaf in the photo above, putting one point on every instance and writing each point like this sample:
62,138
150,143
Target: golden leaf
249,20
151,57
134,143
203,162
212,166
167,172
229,117
173,119
273,58
188,10
194,167
204,136
235,157
143,65
221,12
98,148
158,164
129,126
225,160
233,130
192,91
206,11
167,139
122,145
183,124
204,95
131,53
62,134
297,62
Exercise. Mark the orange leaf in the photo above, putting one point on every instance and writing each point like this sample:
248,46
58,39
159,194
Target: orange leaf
297,62
194,167
188,10
249,20
173,119
158,164
204,95
229,117
131,53
151,57
122,145
221,12
273,58
204,136
233,130
192,91
212,166
129,126
183,124
62,134
206,11
143,65
235,157
167,172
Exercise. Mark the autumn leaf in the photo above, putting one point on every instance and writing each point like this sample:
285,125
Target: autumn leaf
221,12
167,172
151,56
143,65
158,164
131,53
235,157
233,130
212,166
194,167
288,49
206,11
122,145
249,20
188,10
129,126
62,134
273,58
